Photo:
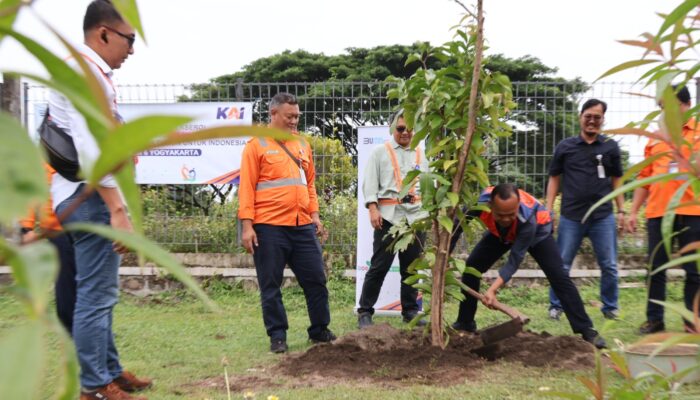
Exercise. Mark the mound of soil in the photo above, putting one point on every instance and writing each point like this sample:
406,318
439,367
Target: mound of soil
386,356
388,353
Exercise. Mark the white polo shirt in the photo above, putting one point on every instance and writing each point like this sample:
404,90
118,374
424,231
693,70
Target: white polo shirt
67,117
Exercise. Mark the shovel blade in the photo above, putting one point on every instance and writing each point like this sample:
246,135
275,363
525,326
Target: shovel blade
502,331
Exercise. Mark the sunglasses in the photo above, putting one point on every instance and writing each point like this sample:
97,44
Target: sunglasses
596,118
129,38
401,129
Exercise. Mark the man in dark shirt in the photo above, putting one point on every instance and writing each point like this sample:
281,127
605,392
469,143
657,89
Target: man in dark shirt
591,168
518,223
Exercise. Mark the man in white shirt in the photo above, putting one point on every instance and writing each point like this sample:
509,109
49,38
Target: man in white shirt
387,167
108,42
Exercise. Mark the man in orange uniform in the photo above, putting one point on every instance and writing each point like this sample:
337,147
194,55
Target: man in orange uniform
686,222
65,283
278,210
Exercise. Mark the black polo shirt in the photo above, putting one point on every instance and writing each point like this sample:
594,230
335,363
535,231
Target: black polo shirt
581,187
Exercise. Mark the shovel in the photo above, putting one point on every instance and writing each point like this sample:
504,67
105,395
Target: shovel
502,331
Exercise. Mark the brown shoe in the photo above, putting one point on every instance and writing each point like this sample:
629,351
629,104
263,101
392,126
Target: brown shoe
130,383
109,392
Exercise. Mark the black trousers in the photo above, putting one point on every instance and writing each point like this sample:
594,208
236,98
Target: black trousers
380,265
298,247
546,254
689,228
65,286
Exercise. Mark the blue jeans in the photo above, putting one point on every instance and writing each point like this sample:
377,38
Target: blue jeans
97,282
603,235
298,247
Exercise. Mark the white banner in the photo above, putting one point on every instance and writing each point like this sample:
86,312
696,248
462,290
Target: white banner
212,161
389,301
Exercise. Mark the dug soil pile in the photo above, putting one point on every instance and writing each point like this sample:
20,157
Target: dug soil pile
387,353
386,356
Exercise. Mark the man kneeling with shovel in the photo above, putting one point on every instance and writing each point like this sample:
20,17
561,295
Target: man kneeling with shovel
519,223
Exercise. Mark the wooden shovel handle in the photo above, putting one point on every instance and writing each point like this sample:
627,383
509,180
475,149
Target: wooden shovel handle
511,312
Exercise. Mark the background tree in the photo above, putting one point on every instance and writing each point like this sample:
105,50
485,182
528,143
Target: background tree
336,104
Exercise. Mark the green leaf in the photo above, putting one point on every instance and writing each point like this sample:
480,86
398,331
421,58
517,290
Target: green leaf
670,215
8,13
459,265
695,257
22,177
446,222
453,197
448,163
136,136
403,242
630,186
678,14
34,269
150,250
126,140
126,179
66,80
626,65
672,116
23,361
636,168
407,182
130,12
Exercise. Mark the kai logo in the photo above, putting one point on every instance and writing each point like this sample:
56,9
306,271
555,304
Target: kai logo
188,175
230,113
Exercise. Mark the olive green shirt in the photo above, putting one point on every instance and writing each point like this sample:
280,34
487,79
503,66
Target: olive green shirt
379,182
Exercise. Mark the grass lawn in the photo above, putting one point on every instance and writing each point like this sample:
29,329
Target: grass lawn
172,338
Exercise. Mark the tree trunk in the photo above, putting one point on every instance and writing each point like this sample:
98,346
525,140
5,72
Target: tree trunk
442,257
10,99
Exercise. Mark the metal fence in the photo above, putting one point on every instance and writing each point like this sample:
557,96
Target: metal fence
202,218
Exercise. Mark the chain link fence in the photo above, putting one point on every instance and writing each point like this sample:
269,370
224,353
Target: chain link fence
202,218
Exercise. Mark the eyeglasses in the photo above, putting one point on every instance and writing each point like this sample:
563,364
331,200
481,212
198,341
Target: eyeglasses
129,38
593,117
401,129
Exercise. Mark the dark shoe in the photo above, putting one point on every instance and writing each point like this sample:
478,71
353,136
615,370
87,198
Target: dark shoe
130,383
650,327
555,313
324,337
612,314
364,320
595,339
465,326
109,392
407,318
278,346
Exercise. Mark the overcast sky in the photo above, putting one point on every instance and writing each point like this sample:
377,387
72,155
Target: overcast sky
194,41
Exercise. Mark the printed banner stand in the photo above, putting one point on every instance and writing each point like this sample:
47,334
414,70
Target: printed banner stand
389,301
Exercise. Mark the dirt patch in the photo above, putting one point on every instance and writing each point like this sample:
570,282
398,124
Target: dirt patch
385,356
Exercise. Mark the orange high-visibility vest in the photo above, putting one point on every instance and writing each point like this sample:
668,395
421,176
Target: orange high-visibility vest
48,221
273,189
397,169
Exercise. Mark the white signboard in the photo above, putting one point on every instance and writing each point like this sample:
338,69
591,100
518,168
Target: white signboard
389,301
212,161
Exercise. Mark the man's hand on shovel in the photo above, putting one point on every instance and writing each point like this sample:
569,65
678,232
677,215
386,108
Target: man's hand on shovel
489,298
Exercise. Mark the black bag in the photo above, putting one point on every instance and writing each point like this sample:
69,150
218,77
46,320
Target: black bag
59,148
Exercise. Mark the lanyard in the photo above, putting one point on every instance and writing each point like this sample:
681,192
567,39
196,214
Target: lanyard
397,169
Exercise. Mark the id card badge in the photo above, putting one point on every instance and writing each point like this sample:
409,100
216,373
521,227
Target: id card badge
672,167
302,174
600,168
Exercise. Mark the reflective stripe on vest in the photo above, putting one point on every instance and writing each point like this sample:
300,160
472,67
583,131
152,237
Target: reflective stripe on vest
397,169
279,183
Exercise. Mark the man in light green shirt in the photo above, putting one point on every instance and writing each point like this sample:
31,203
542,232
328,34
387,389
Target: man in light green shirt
387,167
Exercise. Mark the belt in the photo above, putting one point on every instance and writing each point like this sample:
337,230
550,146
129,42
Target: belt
394,202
